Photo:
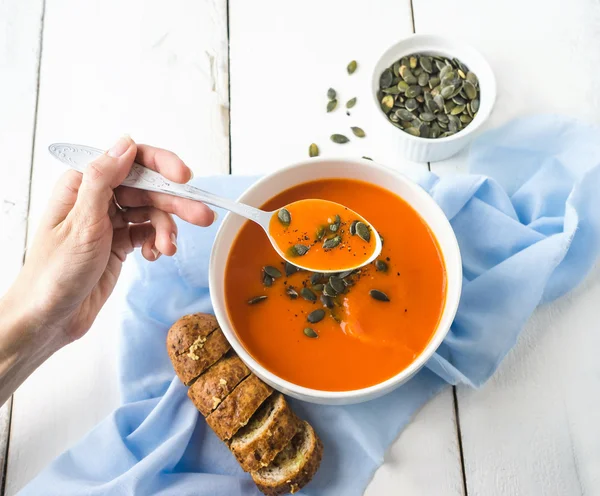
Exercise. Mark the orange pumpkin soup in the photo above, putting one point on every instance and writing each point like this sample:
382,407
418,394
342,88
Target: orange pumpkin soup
322,235
351,332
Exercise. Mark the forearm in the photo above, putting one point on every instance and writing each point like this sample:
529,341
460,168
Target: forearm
26,341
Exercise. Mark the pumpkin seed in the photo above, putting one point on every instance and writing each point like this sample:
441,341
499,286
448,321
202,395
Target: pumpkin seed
327,301
393,117
353,226
470,90
363,231
426,64
465,119
358,132
404,115
318,287
368,158
396,68
308,295
387,102
386,78
413,61
316,277
433,82
298,250
423,79
267,281
427,116
458,110
321,232
442,118
329,291
337,284
447,91
413,91
412,130
332,242
432,107
290,269
378,295
272,271
424,130
310,333
316,316
284,217
331,94
459,100
313,150
381,266
339,138
411,104
335,223
331,105
257,299
472,78
351,68
346,273
350,103
402,86
291,292
474,105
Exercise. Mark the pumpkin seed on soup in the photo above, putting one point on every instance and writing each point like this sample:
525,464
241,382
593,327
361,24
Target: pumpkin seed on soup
291,292
332,242
310,333
298,250
272,271
284,217
308,295
363,231
257,299
378,295
316,316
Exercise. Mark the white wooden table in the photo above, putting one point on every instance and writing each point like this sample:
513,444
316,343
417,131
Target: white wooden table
239,87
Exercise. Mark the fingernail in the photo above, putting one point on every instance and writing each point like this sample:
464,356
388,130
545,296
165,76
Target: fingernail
174,240
120,147
191,174
216,215
155,252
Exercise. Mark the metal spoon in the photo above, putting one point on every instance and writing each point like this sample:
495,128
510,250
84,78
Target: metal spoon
79,156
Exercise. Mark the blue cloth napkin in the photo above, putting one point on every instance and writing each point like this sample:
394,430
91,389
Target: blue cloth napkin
528,225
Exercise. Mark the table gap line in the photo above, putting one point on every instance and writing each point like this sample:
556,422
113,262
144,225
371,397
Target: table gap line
6,448
228,84
459,438
412,16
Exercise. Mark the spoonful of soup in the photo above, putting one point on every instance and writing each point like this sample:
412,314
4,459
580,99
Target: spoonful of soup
315,235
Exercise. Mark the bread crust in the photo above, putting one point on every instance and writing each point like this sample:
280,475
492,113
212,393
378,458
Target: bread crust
211,388
235,411
278,428
302,477
194,343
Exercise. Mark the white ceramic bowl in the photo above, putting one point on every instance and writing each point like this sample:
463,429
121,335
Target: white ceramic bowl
320,168
432,150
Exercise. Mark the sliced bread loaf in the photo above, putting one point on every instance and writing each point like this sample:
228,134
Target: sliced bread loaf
194,343
211,388
270,429
293,467
235,410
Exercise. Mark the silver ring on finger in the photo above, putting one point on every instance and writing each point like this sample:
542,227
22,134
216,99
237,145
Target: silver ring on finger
119,207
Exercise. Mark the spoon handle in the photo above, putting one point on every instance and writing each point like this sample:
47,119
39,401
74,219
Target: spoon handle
79,156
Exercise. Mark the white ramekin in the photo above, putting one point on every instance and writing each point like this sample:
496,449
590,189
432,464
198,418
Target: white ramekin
432,150
320,168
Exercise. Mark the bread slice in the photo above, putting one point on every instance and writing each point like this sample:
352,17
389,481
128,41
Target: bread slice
235,411
294,467
270,429
217,382
194,343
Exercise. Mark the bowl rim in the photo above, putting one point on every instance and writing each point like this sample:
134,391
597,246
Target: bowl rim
438,43
451,303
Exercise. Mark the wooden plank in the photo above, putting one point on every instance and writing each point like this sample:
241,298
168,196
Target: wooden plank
20,25
529,430
281,66
158,72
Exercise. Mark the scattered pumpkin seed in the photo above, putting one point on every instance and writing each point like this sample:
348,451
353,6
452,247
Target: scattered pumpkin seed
381,265
378,295
284,216
339,139
335,224
327,301
316,316
290,269
358,132
313,150
316,277
331,105
267,280
257,299
337,284
329,291
298,250
318,287
350,103
291,292
331,94
351,68
368,158
310,333
274,272
363,231
308,294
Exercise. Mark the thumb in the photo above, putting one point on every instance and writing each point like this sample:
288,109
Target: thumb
102,176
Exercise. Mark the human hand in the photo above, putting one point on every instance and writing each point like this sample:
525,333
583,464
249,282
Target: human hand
76,257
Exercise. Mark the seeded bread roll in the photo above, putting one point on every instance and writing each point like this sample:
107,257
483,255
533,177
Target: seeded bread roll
235,411
217,382
270,429
194,343
294,467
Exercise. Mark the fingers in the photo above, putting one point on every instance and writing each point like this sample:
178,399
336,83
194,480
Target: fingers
165,162
101,177
163,224
63,197
134,236
191,211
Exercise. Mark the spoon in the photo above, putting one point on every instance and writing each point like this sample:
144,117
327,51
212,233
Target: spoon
286,239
